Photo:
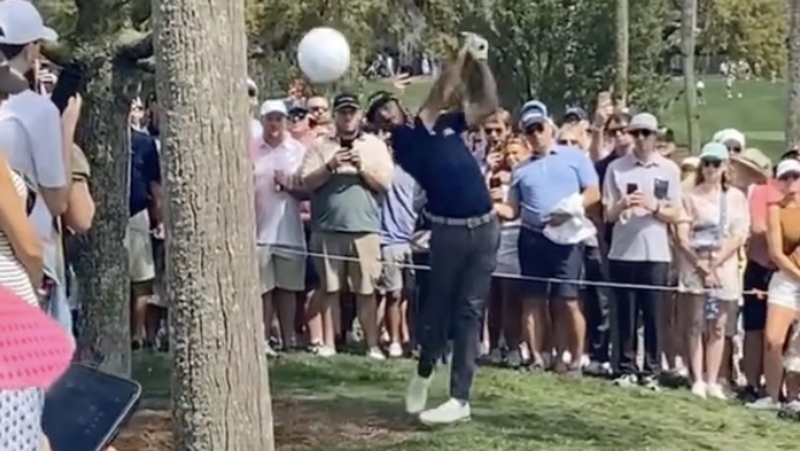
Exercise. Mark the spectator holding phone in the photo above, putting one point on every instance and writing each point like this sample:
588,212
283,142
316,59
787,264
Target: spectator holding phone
37,142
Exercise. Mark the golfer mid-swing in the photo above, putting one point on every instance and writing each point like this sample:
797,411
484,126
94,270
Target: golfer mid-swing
465,232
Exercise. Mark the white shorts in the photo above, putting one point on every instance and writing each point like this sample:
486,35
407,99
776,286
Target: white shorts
140,248
784,290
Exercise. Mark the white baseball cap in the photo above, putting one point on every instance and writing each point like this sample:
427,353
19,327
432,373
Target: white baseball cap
787,167
21,23
273,106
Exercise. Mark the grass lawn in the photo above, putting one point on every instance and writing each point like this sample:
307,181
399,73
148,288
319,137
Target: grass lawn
759,114
352,404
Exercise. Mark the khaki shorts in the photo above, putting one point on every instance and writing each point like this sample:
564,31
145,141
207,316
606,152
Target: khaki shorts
140,248
281,269
393,274
358,272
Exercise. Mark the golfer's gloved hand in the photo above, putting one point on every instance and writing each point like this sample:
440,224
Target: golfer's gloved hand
477,46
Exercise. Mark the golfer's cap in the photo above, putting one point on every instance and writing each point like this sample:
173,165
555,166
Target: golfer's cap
754,160
787,167
728,135
532,112
22,24
577,112
714,151
273,106
643,121
11,81
345,100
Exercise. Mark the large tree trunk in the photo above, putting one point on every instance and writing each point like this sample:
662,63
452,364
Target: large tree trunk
793,104
221,398
688,25
101,262
622,53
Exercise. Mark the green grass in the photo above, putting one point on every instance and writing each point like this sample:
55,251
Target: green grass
353,404
759,114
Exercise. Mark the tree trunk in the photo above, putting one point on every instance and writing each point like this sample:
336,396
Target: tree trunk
793,104
101,262
622,54
220,390
688,25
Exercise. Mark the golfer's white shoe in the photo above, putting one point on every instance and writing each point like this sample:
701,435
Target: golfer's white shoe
417,394
452,411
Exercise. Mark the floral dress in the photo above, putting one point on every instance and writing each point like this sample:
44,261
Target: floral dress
20,410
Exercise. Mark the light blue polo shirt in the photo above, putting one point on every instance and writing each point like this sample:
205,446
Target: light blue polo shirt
539,184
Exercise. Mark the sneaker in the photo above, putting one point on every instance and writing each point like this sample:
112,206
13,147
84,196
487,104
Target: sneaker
514,359
716,391
790,410
765,403
495,357
626,381
395,350
376,354
452,411
417,394
269,350
524,353
699,389
596,368
326,351
749,394
651,383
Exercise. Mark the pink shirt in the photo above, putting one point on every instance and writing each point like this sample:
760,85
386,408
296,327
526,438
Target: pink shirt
759,197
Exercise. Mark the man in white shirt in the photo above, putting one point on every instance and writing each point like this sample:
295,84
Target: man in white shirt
280,236
37,139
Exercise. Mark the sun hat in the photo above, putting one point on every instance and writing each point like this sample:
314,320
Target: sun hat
22,24
34,349
754,160
714,151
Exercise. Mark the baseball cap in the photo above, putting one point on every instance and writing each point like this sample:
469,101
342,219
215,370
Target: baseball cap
22,23
754,160
643,121
345,100
273,106
34,349
729,134
578,112
714,151
532,112
787,167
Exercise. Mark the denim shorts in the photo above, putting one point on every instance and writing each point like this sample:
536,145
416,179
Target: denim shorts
539,257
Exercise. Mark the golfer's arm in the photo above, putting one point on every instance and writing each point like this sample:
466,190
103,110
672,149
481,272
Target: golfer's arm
443,90
482,101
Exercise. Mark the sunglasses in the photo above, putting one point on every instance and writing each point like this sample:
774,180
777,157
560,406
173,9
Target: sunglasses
790,177
568,142
493,131
709,163
734,149
641,133
616,131
534,129
297,117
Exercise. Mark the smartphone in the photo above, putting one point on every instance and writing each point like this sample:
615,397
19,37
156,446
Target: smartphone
71,81
86,408
631,188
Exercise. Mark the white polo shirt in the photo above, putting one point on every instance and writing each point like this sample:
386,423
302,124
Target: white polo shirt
31,137
278,221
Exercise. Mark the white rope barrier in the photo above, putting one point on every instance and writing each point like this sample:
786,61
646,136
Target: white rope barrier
581,282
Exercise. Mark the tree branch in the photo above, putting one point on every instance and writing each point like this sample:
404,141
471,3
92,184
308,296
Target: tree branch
57,53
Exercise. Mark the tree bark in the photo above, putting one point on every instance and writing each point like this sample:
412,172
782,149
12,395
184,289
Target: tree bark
622,57
688,26
793,103
101,262
220,389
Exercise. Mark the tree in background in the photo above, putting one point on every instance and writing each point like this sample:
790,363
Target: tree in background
688,27
793,103
220,389
622,57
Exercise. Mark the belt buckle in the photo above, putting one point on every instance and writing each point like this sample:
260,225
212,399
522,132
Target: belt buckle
473,222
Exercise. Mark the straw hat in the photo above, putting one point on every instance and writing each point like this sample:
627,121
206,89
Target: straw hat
754,160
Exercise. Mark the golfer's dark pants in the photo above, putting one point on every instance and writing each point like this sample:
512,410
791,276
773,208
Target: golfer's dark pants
597,305
632,302
462,259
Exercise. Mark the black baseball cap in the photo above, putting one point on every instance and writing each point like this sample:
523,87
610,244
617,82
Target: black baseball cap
345,100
